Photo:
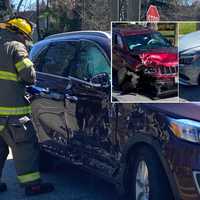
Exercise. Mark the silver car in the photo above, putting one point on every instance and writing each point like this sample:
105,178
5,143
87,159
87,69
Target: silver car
189,59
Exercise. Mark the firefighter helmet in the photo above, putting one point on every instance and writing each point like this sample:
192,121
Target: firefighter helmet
22,25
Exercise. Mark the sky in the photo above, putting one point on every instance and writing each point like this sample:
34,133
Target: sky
26,3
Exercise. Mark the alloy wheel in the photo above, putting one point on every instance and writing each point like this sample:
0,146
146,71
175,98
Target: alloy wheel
142,182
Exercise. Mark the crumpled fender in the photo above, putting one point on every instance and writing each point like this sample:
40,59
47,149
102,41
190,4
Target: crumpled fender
164,59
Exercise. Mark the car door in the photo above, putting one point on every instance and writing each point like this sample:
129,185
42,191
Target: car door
88,109
52,66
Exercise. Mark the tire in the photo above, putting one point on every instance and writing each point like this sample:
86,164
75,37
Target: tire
127,80
198,80
156,178
115,79
121,75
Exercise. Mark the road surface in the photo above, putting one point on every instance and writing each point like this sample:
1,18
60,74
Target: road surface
137,98
189,93
70,183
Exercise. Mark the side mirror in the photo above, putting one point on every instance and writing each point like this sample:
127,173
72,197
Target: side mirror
101,80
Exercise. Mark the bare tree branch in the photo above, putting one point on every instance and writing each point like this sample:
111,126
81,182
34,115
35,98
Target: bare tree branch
19,5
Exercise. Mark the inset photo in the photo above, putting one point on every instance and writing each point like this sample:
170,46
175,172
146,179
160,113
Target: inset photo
189,61
144,62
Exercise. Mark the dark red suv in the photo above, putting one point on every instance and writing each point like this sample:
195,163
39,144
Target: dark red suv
145,60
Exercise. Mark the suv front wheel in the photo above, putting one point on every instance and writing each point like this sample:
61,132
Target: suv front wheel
127,80
148,179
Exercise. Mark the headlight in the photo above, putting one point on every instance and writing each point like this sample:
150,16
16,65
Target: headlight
185,129
150,70
188,59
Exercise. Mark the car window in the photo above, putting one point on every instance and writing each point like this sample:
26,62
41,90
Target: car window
147,41
58,59
91,61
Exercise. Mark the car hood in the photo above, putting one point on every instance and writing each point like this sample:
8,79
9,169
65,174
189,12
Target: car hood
189,41
164,57
185,110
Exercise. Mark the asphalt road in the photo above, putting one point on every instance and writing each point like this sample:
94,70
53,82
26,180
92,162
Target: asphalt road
189,93
138,98
70,183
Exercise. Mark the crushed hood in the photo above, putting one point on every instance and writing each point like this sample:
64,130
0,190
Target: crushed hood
166,59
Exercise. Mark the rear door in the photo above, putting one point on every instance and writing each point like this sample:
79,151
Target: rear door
53,65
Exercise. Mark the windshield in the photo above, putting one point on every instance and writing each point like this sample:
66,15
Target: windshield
147,41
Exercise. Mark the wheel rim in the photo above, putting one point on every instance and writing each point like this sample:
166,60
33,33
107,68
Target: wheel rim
142,182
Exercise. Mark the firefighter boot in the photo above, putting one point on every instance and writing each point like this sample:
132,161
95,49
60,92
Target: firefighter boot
3,187
38,188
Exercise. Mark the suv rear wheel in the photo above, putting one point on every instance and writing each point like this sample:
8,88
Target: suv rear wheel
148,179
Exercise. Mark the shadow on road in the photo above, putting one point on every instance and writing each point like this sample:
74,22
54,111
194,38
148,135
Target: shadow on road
70,182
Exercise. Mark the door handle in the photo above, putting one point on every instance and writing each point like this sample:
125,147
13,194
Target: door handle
46,90
71,98
36,89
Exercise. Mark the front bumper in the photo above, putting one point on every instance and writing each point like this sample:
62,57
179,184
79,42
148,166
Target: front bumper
189,75
184,161
165,87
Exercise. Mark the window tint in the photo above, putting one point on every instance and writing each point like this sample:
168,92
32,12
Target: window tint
58,59
91,61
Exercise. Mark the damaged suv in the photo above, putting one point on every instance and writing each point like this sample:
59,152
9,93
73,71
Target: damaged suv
149,151
144,60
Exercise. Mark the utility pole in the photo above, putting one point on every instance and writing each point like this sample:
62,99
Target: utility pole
134,10
37,18
115,9
47,16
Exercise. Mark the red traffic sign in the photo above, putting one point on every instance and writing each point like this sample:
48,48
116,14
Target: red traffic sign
153,14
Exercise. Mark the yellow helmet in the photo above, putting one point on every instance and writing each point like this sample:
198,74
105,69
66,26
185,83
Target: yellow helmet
22,25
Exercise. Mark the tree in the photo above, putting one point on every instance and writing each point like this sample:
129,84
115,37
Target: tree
5,8
72,15
94,14
60,17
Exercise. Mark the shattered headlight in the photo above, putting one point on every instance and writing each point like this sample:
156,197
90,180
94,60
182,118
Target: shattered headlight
150,70
188,59
189,56
185,129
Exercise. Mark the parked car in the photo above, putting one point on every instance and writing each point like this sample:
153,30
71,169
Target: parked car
144,60
149,151
189,55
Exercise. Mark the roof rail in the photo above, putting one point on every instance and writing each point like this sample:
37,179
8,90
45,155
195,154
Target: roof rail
95,33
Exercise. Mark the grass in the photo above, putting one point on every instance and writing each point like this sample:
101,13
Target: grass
185,28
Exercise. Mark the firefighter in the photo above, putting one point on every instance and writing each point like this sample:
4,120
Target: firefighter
16,128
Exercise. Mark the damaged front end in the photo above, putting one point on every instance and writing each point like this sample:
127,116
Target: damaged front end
158,73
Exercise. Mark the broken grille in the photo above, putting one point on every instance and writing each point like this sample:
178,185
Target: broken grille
168,70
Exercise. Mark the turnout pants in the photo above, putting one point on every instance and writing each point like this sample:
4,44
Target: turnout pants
18,133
